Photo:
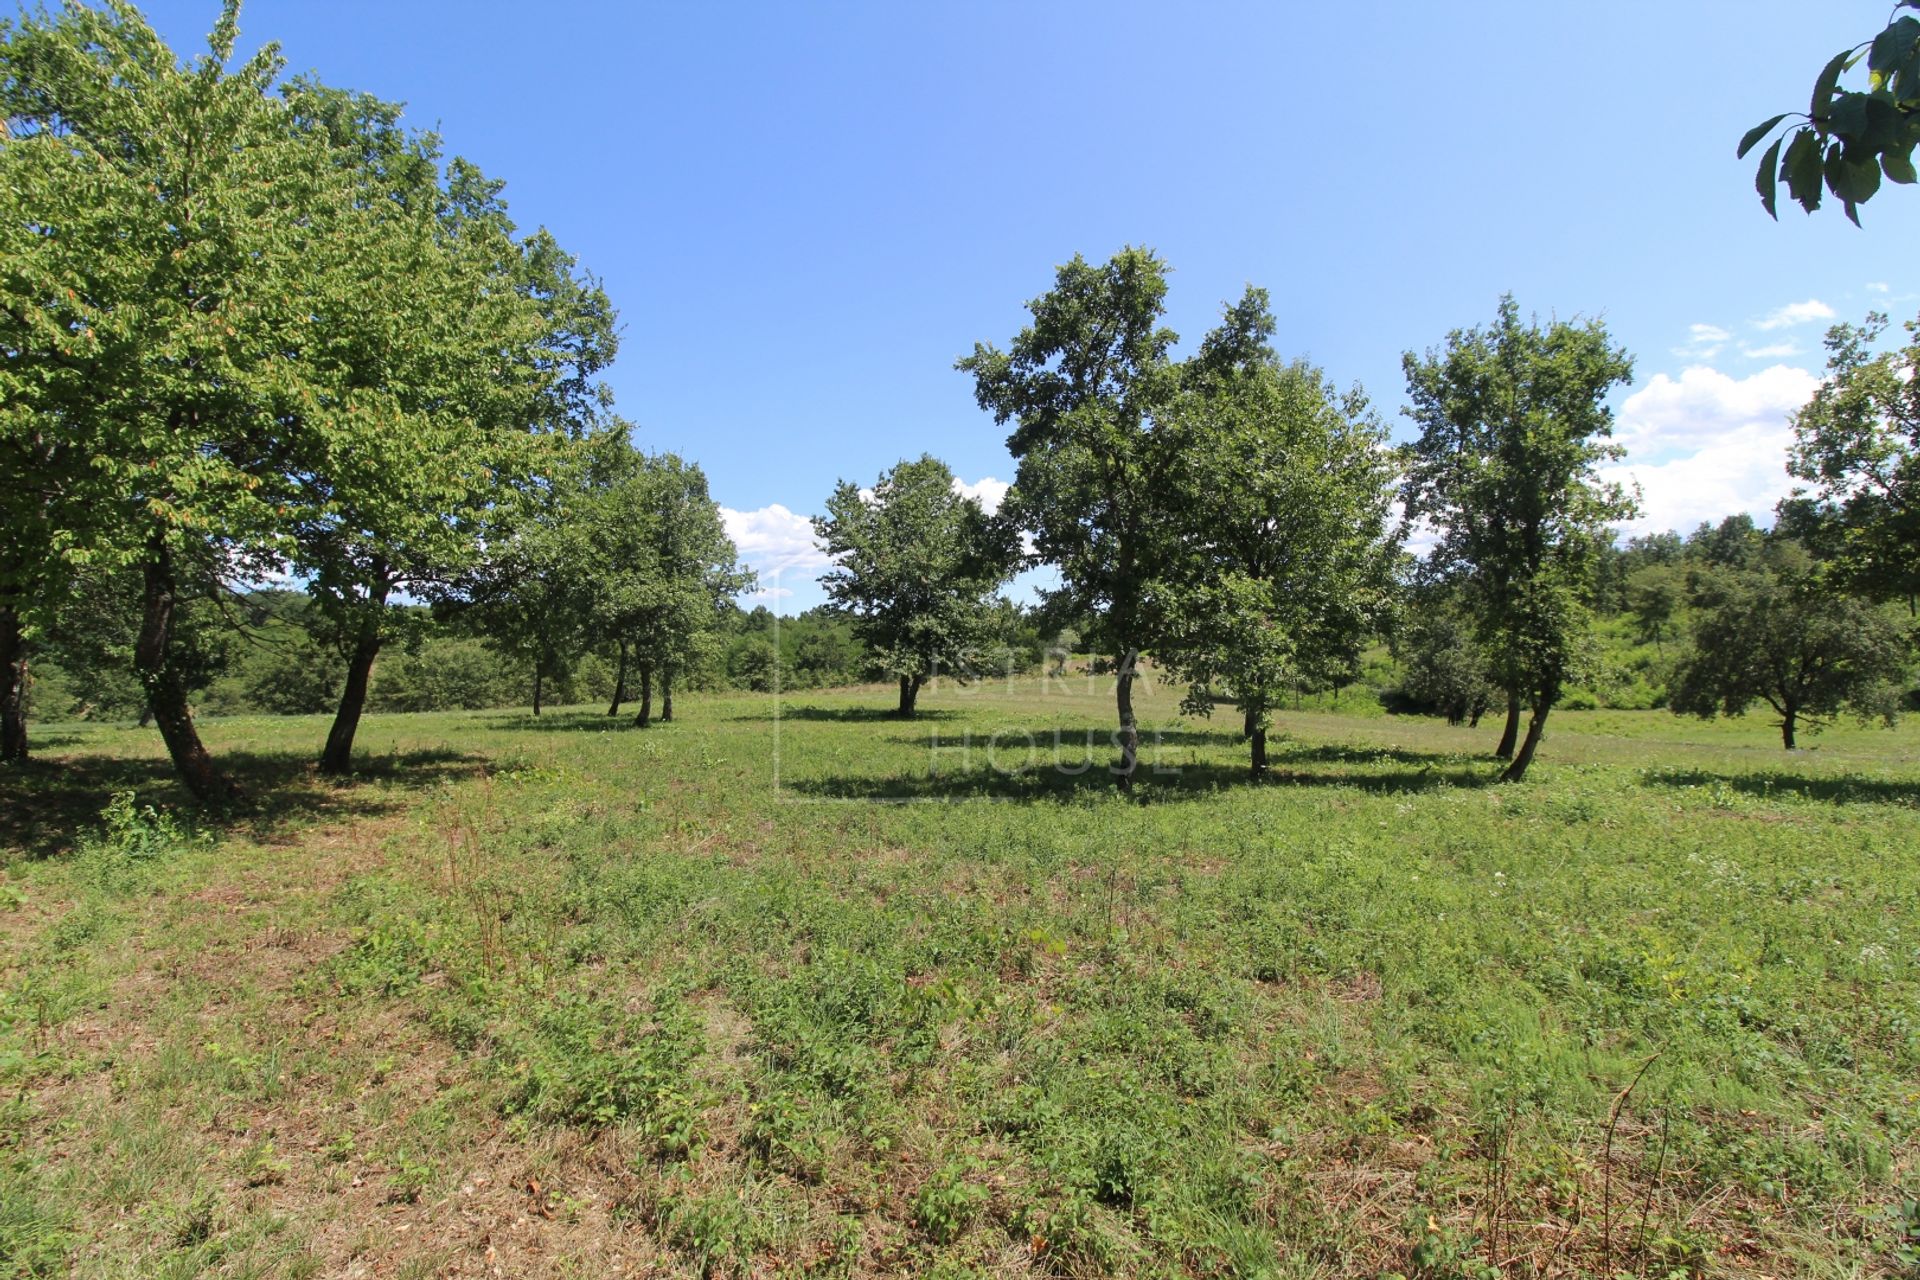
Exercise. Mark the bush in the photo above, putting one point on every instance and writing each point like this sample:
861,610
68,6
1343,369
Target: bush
443,675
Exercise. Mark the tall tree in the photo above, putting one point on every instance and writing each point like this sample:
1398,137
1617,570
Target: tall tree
463,362
1282,488
182,257
1775,632
1084,384
1857,452
1513,426
917,566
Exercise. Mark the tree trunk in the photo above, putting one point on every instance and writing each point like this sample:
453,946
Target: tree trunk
337,760
146,714
1249,722
1259,762
166,693
13,687
539,670
1129,733
1786,727
666,696
645,717
909,696
619,682
1517,771
1511,733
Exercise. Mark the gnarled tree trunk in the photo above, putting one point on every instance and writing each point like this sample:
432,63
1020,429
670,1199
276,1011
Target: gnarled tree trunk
645,717
1511,734
619,682
909,696
1517,771
337,759
166,692
1129,732
13,686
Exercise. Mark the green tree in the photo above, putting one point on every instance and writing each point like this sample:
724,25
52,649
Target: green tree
1857,450
1282,488
917,566
700,574
1084,384
198,248
464,362
1443,665
1513,424
1654,594
1850,137
531,595
1775,632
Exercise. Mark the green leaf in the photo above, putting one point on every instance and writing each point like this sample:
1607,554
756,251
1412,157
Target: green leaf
1801,169
1859,177
1829,80
1906,84
1766,180
1898,166
1892,46
1847,118
1756,133
1835,170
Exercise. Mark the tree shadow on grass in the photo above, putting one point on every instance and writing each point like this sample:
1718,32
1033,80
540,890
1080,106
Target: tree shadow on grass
51,804
854,715
564,721
1079,780
1839,788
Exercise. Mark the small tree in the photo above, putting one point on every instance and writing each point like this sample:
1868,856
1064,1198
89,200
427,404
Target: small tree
698,574
1777,633
1513,424
1444,667
1653,597
917,568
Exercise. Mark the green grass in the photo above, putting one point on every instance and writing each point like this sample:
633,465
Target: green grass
847,996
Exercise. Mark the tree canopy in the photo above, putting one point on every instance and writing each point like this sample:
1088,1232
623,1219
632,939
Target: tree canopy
1774,632
1857,453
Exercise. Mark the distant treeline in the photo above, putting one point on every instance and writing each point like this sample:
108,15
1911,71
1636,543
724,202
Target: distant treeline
265,652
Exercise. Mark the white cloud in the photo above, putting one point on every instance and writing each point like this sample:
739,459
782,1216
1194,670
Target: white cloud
775,541
770,593
1878,286
1795,313
1702,406
1703,342
990,492
1705,445
1772,351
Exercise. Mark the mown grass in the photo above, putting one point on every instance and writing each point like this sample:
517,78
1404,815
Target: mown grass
847,996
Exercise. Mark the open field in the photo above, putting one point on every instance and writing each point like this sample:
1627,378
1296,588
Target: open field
564,997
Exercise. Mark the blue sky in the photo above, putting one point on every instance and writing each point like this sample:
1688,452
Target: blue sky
806,212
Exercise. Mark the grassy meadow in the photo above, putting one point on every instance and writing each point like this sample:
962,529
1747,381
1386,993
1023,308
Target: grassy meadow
832,994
